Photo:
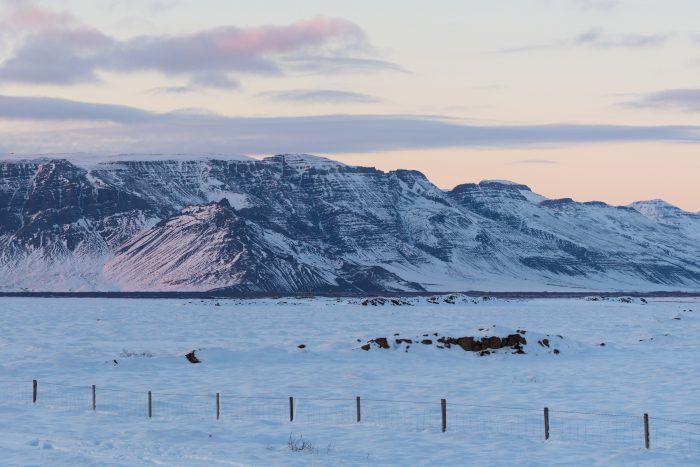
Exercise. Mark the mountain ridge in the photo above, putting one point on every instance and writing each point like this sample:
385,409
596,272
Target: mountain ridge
321,226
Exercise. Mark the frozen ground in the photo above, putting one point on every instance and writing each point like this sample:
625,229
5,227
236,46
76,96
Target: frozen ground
249,353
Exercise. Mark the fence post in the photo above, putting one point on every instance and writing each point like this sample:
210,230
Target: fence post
218,405
359,412
94,398
150,405
291,409
443,409
546,423
647,442
34,390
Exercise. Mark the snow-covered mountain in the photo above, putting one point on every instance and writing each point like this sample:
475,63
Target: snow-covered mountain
298,223
687,223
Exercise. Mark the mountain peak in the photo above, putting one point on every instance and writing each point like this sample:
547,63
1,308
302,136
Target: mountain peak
658,203
507,184
304,161
499,182
658,209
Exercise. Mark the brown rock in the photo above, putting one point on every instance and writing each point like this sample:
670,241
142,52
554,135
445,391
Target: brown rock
467,343
382,342
192,358
514,339
493,342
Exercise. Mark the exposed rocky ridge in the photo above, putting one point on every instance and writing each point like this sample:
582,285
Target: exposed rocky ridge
485,342
296,223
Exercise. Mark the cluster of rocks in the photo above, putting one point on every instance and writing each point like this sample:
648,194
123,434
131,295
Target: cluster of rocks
381,301
600,298
481,345
381,342
437,299
129,354
546,343
484,345
450,299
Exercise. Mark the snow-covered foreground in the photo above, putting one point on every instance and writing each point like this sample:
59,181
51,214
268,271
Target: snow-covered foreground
249,352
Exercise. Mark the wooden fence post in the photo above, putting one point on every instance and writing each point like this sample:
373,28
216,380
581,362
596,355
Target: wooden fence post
150,405
359,412
291,409
647,441
443,409
94,398
218,405
546,423
34,390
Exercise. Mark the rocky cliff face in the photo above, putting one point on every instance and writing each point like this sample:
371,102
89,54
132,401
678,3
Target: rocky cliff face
297,223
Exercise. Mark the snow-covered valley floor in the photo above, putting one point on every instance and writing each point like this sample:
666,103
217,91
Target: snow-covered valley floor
249,352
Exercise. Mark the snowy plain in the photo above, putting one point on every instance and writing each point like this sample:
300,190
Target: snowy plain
249,352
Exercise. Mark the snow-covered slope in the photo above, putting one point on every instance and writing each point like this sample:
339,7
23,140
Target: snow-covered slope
604,244
211,247
687,223
299,223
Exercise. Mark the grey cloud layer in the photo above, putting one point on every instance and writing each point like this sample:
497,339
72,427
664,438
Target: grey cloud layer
599,39
48,108
687,100
198,133
320,96
54,49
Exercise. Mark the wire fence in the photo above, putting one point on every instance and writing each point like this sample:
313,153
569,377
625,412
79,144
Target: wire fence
479,421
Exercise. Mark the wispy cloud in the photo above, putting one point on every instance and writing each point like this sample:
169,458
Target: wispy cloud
56,48
600,38
49,108
597,38
687,100
202,82
320,96
325,64
203,132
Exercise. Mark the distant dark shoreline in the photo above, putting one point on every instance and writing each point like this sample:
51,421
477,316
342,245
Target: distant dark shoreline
229,295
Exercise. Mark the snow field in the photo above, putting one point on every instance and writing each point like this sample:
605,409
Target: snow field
249,353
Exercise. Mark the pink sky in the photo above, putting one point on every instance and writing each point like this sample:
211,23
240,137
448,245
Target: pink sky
585,99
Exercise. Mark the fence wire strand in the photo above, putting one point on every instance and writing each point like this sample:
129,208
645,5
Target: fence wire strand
475,421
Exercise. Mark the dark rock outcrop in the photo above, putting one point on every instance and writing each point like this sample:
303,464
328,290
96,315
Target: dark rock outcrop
467,343
192,358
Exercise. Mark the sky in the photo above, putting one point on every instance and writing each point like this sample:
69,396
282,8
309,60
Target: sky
589,99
